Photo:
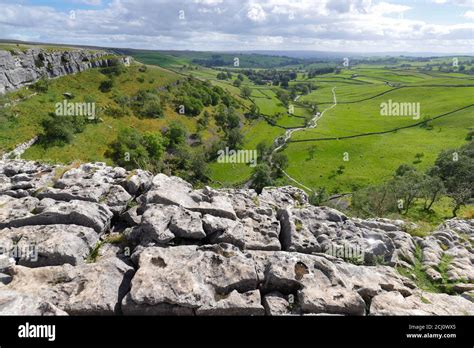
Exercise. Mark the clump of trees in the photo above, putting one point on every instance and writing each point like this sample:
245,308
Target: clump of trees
229,122
271,76
245,92
193,95
146,103
114,68
452,175
166,151
224,75
270,167
60,130
321,71
133,149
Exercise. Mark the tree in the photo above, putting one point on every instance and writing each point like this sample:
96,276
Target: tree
192,106
59,130
154,145
199,168
456,169
237,83
41,85
261,177
432,189
404,169
152,106
128,150
263,150
284,96
254,112
115,67
280,163
133,149
176,135
375,201
235,138
318,196
407,187
245,92
222,76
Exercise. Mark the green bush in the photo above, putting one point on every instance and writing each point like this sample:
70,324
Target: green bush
59,130
106,85
133,149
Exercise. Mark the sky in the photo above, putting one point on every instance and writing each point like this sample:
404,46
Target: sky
440,26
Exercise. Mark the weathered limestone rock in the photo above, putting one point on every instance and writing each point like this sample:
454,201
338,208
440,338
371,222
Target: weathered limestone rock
425,303
13,210
210,252
261,234
337,300
28,211
162,223
51,245
21,68
222,230
139,181
17,303
276,303
182,279
175,191
87,289
235,303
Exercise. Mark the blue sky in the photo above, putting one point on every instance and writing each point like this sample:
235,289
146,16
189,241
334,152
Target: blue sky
444,26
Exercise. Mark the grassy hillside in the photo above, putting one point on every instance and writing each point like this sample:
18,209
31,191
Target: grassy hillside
32,108
209,59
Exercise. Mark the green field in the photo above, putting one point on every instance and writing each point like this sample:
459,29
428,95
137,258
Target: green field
359,93
313,154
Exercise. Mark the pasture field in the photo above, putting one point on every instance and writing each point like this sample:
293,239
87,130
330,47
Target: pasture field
359,93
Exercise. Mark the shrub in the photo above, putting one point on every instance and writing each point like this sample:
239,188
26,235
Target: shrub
133,149
59,130
41,85
106,85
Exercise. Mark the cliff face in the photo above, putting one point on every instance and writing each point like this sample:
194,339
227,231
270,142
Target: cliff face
93,239
18,68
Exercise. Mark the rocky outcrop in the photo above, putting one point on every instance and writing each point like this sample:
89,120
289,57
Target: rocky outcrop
91,239
20,68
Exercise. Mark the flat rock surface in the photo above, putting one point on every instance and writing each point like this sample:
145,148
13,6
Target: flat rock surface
90,239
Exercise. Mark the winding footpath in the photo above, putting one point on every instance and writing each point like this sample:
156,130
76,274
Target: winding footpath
281,142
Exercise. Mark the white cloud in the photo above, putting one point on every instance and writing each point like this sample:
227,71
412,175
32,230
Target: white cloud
90,2
360,25
469,15
454,2
387,8
256,13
